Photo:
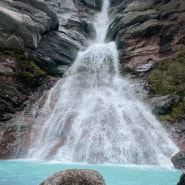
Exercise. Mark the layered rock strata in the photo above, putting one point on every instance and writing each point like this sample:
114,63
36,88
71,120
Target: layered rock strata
47,45
24,22
147,32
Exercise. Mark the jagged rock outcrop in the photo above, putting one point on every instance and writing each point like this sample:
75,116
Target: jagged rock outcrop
147,32
18,79
58,50
182,180
75,176
24,22
178,160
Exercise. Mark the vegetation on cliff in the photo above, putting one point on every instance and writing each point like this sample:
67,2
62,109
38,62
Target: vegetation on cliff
19,77
169,78
26,71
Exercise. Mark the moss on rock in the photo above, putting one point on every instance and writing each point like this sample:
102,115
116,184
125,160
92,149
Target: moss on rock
27,72
167,78
19,77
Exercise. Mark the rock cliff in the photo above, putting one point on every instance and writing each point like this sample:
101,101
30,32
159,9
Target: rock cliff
38,40
24,22
147,32
150,38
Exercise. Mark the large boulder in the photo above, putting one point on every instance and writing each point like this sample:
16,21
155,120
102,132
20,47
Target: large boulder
178,160
24,22
58,50
76,177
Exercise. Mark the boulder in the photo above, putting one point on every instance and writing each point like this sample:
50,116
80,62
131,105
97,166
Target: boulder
182,180
178,160
76,177
161,105
58,50
115,2
19,77
24,22
40,5
130,19
60,7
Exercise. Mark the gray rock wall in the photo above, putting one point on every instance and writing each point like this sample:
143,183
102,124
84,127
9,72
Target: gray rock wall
147,32
24,22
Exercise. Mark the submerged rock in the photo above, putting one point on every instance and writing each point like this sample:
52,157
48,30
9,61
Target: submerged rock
75,177
178,160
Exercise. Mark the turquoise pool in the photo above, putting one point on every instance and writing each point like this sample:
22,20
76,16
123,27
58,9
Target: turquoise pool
34,172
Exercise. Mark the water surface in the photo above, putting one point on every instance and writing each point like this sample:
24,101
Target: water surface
34,172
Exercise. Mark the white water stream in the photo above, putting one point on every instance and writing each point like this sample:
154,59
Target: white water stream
92,115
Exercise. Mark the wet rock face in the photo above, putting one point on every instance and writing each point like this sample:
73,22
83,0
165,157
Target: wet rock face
182,180
179,160
24,22
147,32
96,4
76,176
58,50
49,43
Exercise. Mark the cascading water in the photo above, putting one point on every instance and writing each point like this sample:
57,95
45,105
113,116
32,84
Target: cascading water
92,115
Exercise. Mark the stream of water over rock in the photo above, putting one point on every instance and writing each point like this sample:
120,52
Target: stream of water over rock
92,115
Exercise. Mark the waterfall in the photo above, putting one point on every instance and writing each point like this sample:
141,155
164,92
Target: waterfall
92,115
